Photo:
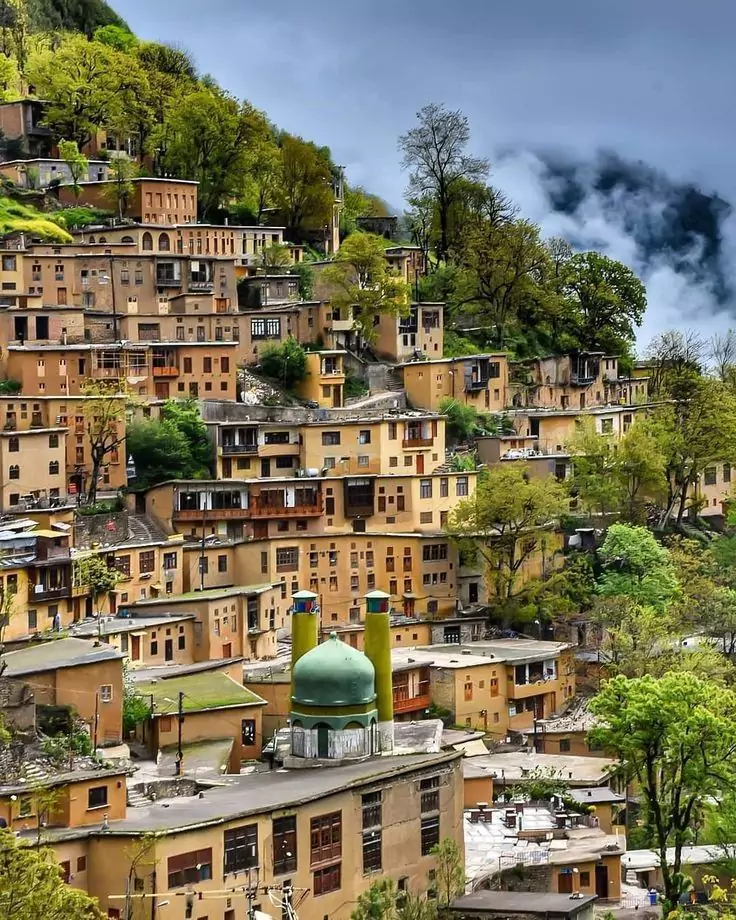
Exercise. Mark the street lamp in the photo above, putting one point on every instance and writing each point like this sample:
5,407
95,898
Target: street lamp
130,470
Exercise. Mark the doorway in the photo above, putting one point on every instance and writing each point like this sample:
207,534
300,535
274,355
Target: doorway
420,463
564,882
135,648
323,747
265,467
601,881
169,650
227,650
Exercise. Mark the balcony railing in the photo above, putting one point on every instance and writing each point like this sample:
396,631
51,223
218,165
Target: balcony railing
481,384
257,510
167,371
404,703
47,594
168,282
213,514
239,448
409,443
201,286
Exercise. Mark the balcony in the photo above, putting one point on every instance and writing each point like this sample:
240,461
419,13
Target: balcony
414,443
480,384
167,371
343,325
47,594
257,510
251,448
201,287
212,514
405,703
167,281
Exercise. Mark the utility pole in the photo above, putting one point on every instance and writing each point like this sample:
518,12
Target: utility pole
179,752
97,717
202,554
114,305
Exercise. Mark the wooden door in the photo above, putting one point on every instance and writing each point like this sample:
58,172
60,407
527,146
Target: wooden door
420,463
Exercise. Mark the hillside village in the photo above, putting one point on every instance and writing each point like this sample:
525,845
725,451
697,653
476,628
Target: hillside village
353,565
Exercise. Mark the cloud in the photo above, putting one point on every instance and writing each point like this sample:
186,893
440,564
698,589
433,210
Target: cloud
679,238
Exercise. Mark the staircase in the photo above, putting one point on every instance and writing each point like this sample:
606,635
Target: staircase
136,799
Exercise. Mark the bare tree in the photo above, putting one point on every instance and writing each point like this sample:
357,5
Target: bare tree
723,354
435,152
674,352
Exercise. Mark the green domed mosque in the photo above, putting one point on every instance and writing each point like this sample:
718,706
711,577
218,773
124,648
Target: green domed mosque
341,699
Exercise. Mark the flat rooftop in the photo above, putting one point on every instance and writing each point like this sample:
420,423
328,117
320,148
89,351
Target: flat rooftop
257,793
518,765
209,594
514,651
521,902
111,626
58,653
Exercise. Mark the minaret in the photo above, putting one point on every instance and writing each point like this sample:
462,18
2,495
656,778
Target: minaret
377,647
304,624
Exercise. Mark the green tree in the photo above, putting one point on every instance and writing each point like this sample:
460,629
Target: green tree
90,86
32,888
7,611
185,415
161,451
117,37
120,191
676,736
263,178
76,162
637,566
9,79
94,573
136,708
464,422
435,152
501,263
363,283
506,520
695,428
205,137
357,202
450,871
607,299
304,192
105,409
378,902
286,363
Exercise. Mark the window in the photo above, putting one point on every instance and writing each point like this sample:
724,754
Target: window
371,803
430,791
54,468
326,838
53,440
425,488
444,487
364,437
207,365
434,552
169,560
564,745
25,806
241,848
585,879
106,693
372,851
330,438
248,732
430,834
147,561
122,564
187,365
425,517
81,863
287,559
14,472
222,563
326,880
607,426
468,690
32,619
727,472
97,797
265,328
461,486
189,868
13,445
710,476
284,845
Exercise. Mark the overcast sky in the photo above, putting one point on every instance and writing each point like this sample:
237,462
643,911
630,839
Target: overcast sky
651,80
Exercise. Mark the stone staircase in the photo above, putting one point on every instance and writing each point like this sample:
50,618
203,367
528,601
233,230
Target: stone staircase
136,799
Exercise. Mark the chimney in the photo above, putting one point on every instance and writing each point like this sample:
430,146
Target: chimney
377,645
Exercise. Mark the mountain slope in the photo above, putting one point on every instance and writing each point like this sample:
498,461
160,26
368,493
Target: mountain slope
73,15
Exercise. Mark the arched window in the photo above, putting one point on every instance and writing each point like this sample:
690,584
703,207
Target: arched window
92,239
14,472
164,244
127,239
103,239
54,468
13,445
147,241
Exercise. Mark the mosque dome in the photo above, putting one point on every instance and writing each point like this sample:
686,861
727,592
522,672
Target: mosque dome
333,674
